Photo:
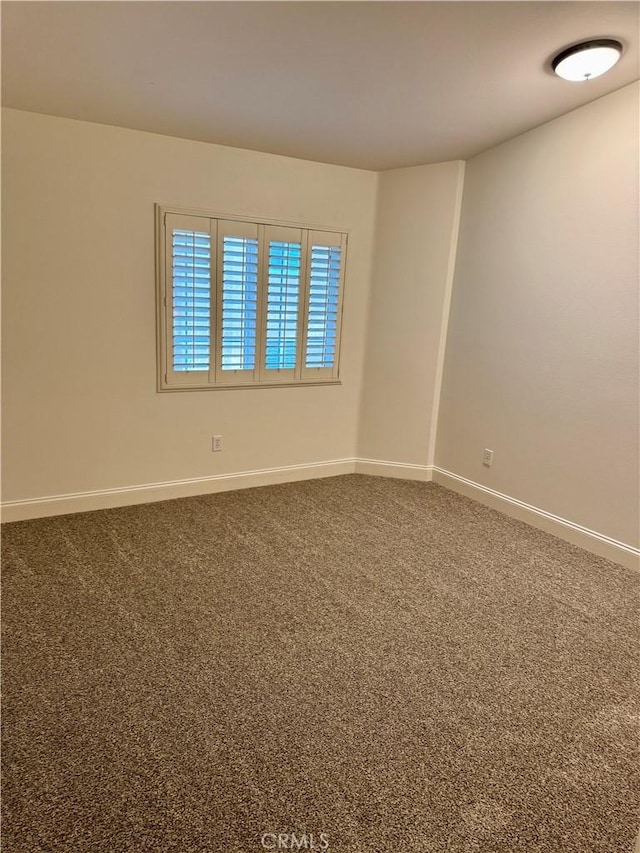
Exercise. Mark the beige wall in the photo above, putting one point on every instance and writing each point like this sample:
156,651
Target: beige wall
542,347
413,258
542,355
81,410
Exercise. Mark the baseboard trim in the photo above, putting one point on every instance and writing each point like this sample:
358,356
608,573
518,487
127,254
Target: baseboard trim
152,492
576,534
399,470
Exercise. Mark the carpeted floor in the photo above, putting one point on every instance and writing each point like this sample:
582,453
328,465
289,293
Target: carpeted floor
381,664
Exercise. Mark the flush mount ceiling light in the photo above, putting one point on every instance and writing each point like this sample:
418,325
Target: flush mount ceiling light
587,60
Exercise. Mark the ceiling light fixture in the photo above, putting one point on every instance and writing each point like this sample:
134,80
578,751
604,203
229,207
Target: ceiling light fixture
587,60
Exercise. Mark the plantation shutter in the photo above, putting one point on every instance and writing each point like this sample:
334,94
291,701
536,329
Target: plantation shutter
282,303
324,304
244,303
189,271
238,271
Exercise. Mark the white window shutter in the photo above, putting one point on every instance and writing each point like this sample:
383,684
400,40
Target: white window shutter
189,270
244,303
238,328
323,315
282,291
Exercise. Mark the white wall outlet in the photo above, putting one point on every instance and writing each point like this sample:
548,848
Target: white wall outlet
216,444
487,458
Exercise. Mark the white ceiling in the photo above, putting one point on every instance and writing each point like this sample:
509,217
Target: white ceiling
375,85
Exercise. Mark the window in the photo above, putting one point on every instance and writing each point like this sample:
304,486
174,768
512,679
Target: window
246,303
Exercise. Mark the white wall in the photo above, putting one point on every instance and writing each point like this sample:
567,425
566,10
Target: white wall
81,411
416,234
542,355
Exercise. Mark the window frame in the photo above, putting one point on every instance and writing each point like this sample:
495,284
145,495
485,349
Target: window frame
169,380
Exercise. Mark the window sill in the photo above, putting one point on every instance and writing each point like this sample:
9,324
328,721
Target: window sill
163,389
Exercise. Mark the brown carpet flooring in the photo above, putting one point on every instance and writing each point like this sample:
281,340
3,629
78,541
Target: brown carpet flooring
381,661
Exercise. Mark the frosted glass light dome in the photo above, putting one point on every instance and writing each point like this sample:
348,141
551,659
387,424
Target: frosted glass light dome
587,60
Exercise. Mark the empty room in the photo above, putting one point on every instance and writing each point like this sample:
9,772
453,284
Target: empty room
320,427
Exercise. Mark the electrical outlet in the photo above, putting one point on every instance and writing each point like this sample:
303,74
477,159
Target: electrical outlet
216,444
487,458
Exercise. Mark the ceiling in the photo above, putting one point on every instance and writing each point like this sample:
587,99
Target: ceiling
375,85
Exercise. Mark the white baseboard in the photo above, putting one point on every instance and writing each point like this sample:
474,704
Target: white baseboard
151,492
576,534
399,470
590,540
